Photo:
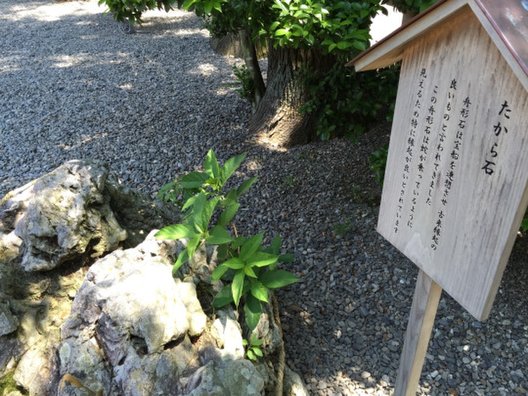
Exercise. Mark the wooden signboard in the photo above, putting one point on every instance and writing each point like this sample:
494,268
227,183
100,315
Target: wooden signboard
456,180
457,168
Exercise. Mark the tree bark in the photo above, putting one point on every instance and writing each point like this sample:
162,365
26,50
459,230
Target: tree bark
251,60
278,119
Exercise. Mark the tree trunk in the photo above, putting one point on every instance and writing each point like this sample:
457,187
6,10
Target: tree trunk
250,59
278,120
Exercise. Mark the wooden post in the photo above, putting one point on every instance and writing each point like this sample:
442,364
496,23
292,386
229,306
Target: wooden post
421,319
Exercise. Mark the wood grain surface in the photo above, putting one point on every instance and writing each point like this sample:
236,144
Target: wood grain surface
456,180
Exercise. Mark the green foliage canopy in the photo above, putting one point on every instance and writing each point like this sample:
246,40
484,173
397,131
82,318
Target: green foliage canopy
329,25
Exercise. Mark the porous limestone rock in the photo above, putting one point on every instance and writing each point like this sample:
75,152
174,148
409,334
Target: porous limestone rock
79,210
293,384
35,235
131,311
228,334
132,292
226,377
8,322
59,217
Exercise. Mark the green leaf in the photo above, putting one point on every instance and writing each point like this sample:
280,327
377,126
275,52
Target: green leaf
258,351
223,298
203,210
259,291
251,355
175,231
238,242
246,185
250,272
219,236
261,259
208,212
234,263
189,203
359,45
231,165
277,278
286,258
183,257
255,341
194,179
198,208
218,272
228,213
342,45
187,4
192,245
251,246
252,312
211,165
237,286
281,32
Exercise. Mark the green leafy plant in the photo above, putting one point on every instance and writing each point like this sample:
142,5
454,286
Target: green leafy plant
410,6
246,88
202,193
378,162
341,229
252,347
289,181
250,271
247,267
524,224
131,10
349,103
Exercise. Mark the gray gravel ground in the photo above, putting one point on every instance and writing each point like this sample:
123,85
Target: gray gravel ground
73,85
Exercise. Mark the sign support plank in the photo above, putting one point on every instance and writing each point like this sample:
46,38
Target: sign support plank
421,319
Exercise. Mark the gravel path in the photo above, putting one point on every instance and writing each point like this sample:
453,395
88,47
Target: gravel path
73,85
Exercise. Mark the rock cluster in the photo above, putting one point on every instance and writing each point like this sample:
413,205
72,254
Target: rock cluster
60,216
81,315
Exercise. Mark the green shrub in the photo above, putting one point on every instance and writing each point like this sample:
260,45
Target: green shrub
246,88
347,103
378,162
247,267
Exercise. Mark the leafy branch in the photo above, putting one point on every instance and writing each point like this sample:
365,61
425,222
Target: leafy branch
247,267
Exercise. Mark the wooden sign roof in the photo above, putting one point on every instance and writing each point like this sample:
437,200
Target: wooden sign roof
505,21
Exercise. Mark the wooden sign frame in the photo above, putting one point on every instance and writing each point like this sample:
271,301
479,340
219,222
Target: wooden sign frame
456,182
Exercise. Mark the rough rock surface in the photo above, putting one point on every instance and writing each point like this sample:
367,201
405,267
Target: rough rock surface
54,225
71,212
8,322
59,217
133,291
131,327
